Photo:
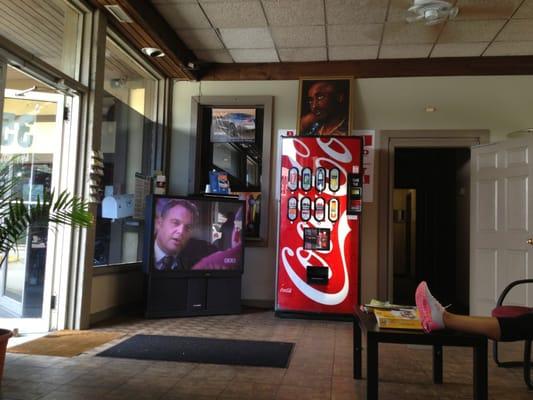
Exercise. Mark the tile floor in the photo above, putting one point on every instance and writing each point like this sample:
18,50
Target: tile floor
320,367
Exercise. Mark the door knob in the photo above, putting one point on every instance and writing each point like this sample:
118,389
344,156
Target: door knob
530,241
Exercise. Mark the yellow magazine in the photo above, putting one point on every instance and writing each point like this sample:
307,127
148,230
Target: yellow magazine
398,319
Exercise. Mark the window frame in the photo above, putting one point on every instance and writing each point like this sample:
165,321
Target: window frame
159,112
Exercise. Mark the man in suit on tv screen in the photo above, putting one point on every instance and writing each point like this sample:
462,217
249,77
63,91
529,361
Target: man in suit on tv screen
174,248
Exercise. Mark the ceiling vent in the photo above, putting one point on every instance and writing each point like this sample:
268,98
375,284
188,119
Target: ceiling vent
431,12
119,13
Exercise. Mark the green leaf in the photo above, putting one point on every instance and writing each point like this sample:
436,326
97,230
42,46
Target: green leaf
16,217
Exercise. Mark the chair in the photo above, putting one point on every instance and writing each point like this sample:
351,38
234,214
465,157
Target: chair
514,311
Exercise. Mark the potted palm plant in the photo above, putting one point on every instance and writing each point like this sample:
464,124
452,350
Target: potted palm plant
18,219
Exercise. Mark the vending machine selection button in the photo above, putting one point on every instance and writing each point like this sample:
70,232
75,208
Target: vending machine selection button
307,177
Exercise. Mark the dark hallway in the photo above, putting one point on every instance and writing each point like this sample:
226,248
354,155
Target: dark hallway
431,224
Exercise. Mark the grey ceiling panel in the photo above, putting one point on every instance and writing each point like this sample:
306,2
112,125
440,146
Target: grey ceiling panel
297,30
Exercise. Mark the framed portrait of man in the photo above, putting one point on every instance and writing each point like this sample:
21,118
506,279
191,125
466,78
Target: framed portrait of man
324,106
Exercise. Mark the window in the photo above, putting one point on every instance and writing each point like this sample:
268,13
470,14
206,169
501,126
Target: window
128,129
50,30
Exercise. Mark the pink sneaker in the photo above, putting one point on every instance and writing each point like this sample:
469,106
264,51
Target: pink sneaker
429,309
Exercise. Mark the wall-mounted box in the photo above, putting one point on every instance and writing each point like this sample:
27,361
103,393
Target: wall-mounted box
117,206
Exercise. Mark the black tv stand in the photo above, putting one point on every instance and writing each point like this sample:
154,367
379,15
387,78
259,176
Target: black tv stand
177,295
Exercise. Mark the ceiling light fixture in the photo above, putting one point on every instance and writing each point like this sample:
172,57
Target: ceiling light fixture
430,109
431,12
153,52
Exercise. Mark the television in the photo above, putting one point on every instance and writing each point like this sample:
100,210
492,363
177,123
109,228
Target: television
194,236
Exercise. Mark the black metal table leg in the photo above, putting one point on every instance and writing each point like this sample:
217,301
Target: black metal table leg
357,350
480,370
437,363
372,348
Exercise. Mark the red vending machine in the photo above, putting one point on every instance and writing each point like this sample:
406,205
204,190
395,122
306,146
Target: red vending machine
319,224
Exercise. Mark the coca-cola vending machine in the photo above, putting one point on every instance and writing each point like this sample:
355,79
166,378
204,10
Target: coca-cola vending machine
319,224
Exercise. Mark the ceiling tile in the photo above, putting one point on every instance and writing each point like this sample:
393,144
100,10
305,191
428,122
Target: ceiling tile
294,12
254,55
470,31
340,12
200,39
303,54
398,10
459,49
404,33
353,53
405,51
183,15
347,35
486,9
525,10
247,38
234,14
516,30
514,48
299,36
216,56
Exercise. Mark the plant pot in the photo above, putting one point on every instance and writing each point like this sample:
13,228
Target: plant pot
5,334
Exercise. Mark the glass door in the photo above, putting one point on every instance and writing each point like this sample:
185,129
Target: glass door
33,126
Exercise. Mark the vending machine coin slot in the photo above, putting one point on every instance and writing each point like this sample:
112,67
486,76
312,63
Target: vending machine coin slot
354,194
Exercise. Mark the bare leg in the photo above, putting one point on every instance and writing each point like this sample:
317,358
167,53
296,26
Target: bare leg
487,326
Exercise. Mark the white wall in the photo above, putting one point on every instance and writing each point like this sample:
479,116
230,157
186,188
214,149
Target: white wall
258,278
500,104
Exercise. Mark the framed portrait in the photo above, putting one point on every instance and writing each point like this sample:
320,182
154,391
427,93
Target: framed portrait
324,106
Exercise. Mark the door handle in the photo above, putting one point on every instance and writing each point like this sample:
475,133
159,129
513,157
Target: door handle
530,241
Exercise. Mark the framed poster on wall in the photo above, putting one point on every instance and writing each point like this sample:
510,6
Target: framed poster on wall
324,106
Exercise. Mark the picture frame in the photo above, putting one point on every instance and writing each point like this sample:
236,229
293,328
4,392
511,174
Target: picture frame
233,125
324,106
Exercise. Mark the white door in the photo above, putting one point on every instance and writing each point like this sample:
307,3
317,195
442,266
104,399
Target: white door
501,223
34,130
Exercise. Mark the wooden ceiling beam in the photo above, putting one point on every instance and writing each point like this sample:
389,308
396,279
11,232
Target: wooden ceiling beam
468,66
150,29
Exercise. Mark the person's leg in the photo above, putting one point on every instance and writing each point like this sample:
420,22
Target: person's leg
433,316
488,326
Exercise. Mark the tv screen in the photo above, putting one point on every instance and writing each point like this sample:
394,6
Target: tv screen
194,235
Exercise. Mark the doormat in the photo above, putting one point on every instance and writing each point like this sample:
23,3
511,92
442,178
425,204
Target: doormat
203,350
66,343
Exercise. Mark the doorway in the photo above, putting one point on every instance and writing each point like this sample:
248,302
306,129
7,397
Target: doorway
37,141
431,223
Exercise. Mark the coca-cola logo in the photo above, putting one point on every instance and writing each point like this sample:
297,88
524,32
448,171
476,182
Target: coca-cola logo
293,261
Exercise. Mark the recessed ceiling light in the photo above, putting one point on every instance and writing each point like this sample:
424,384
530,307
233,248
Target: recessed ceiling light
153,52
431,109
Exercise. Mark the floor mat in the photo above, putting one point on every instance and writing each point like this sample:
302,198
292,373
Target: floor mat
203,350
65,343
